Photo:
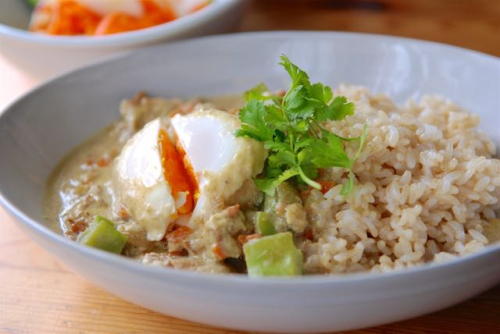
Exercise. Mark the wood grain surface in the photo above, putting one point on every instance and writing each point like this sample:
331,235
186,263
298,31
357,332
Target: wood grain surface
39,295
473,24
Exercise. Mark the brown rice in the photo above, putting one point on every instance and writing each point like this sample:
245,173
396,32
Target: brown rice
427,184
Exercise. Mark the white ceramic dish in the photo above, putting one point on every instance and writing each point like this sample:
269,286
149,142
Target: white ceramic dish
40,128
41,56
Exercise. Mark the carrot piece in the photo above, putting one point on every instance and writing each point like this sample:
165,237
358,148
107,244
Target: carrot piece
102,162
71,18
116,22
179,234
123,213
326,185
244,238
154,12
152,15
218,251
176,240
175,173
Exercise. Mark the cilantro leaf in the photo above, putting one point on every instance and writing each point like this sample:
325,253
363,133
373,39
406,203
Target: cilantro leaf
362,140
253,124
291,129
275,117
276,146
349,185
287,158
340,108
294,99
336,111
303,143
310,170
257,93
298,76
329,153
320,93
268,185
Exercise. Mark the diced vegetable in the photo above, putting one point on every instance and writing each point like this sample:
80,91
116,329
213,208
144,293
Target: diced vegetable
102,234
283,195
264,223
287,194
273,255
269,203
274,204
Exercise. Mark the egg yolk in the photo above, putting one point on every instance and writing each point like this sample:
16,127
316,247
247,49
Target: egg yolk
178,172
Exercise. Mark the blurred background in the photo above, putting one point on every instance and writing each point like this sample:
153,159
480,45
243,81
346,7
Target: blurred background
473,24
28,58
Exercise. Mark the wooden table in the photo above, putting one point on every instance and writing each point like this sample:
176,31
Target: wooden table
39,295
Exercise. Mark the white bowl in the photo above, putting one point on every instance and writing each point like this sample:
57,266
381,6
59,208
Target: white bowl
42,56
40,128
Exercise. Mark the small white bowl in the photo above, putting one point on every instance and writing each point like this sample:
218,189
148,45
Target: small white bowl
42,56
40,128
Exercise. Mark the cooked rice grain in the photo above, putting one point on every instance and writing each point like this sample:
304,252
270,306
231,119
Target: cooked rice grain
426,183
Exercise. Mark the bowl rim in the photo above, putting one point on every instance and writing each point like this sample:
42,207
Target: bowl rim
186,277
141,36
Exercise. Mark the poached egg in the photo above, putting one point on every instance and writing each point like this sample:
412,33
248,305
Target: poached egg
181,166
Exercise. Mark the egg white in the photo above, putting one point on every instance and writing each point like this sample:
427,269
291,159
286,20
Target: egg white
139,182
220,161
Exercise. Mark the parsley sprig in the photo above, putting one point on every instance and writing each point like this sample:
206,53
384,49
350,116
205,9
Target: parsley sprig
291,128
